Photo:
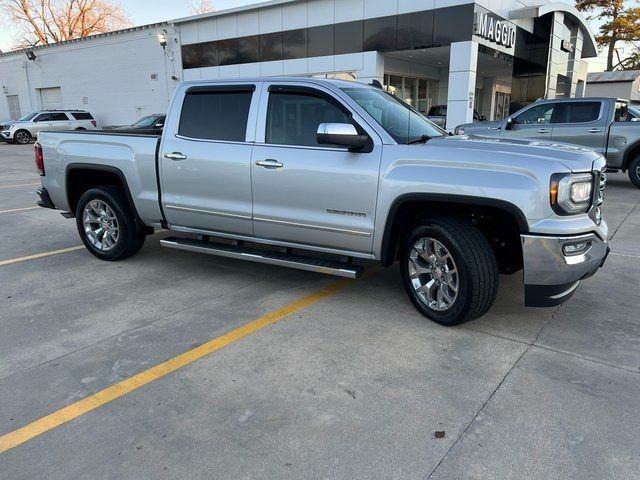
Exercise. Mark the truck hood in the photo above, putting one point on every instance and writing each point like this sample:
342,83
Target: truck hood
574,157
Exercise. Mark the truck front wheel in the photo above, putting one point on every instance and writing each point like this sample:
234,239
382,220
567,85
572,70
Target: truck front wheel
634,171
449,270
106,224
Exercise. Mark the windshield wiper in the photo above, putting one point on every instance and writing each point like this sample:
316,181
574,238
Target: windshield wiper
420,139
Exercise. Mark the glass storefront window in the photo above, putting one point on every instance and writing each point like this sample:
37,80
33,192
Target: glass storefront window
380,34
420,93
320,41
294,44
349,37
271,47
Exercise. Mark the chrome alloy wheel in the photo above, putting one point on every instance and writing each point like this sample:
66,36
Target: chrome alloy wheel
433,274
22,138
100,225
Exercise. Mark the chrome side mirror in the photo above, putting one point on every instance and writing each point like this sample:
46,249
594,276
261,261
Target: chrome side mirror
343,134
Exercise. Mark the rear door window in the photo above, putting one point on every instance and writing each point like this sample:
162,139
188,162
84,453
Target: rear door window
216,114
58,117
82,115
577,112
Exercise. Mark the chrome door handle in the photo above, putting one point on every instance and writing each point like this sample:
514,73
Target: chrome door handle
595,130
494,128
543,130
269,163
175,156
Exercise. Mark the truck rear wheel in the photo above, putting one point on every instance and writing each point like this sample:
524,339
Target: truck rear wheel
634,171
106,224
449,270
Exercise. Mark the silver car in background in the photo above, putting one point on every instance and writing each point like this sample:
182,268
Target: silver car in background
25,129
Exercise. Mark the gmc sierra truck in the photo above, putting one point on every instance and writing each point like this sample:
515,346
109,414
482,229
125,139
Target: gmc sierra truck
322,175
606,125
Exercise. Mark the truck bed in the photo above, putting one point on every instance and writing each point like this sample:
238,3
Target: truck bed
133,157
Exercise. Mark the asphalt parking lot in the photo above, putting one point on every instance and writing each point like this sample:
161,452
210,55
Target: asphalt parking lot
347,381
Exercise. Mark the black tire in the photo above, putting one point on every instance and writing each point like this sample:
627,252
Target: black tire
475,262
81,129
634,171
20,137
131,234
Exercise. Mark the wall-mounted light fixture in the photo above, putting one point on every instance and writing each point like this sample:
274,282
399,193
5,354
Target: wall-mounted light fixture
30,55
162,40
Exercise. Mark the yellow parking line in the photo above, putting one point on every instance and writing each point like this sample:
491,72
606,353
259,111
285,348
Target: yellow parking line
20,185
109,394
11,261
23,209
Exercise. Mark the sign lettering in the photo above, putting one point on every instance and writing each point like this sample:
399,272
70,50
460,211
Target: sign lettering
495,30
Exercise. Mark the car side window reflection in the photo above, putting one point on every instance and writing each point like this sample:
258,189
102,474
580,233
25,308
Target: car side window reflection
538,115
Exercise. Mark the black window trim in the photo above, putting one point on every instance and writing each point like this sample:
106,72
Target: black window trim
316,92
231,88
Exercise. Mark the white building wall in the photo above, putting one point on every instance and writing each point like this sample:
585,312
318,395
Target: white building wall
109,76
613,89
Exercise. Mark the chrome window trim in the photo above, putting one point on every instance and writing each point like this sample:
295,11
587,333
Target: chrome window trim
313,227
208,212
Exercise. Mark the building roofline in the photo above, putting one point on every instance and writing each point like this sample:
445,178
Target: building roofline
589,46
229,11
83,39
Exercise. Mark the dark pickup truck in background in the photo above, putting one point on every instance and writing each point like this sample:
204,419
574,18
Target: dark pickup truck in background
607,125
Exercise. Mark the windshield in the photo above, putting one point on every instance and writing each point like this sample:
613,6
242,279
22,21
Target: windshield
146,121
399,120
28,117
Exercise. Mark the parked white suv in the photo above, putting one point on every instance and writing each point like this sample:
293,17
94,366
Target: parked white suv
22,131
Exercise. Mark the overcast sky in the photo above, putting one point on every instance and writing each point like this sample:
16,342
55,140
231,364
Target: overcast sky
141,12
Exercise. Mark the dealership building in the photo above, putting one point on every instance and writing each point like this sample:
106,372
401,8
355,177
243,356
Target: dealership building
487,55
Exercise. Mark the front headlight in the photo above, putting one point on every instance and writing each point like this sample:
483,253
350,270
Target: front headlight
570,193
458,131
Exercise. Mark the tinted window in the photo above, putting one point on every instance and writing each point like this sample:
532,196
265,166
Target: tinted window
249,49
228,51
293,118
58,117
215,115
42,118
415,30
208,54
294,44
539,114
320,41
452,24
349,37
82,115
380,34
578,112
190,56
271,47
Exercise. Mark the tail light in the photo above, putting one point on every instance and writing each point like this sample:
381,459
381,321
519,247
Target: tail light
93,122
39,159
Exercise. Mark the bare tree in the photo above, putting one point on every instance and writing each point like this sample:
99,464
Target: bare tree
199,7
51,21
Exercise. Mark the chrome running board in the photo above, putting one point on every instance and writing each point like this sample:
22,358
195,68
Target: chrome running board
311,264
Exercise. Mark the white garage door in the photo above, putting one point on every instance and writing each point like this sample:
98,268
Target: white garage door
51,98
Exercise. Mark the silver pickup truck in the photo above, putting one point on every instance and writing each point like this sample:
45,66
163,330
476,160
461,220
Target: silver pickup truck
324,175
607,125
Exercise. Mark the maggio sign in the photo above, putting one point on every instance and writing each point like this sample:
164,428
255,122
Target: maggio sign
495,30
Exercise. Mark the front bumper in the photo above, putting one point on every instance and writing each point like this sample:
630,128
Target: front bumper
550,275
